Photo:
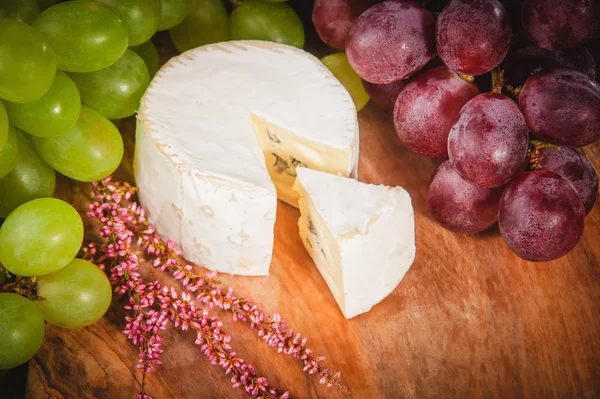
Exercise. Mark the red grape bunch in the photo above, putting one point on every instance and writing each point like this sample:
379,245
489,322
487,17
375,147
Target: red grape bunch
502,91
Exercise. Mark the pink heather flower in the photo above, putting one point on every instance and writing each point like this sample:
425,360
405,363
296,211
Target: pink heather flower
152,307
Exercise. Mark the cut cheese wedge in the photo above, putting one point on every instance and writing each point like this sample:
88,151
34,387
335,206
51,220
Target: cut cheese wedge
360,236
220,132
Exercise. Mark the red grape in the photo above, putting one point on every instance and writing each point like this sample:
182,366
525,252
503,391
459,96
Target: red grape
391,41
489,140
459,205
473,36
426,109
562,107
558,24
334,18
384,95
541,216
521,63
574,167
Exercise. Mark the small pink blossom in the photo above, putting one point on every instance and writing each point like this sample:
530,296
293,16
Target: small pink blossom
153,307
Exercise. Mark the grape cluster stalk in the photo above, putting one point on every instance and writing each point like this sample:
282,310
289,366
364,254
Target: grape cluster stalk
500,91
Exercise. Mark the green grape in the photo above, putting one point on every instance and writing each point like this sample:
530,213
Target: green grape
22,10
28,63
21,330
40,237
142,17
341,69
52,114
172,13
75,296
275,22
115,91
3,126
29,179
91,150
207,22
149,54
86,35
8,156
46,3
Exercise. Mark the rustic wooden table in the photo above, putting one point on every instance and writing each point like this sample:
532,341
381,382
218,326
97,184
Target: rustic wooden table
470,319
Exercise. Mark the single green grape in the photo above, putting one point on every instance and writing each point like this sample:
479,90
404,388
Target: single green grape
28,63
8,156
52,114
86,35
341,69
40,237
275,22
149,54
3,126
21,330
22,10
29,179
142,17
172,13
115,91
46,3
207,22
91,150
75,296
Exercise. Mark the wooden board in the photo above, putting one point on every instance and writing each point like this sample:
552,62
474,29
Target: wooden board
470,319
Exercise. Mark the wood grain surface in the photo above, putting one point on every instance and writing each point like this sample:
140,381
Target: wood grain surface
470,319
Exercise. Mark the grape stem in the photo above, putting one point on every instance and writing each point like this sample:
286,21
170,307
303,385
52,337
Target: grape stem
467,78
25,286
499,83
497,80
534,152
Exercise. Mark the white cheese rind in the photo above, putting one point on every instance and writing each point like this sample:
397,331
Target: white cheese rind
362,238
198,163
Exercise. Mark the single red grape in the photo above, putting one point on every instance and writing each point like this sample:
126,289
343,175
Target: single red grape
334,18
489,140
473,36
574,167
391,41
558,24
562,107
459,205
384,95
427,107
541,216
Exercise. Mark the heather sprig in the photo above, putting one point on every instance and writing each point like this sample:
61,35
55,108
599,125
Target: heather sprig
123,221
152,307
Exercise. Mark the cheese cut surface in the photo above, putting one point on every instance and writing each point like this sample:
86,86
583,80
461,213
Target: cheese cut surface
361,236
220,132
